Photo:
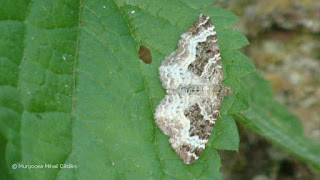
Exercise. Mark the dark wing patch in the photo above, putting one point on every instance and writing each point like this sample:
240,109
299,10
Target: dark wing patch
204,51
198,124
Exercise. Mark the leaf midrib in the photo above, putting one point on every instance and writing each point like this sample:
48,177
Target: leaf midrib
146,86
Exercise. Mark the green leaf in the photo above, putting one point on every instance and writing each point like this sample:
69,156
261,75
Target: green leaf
198,4
225,136
73,90
271,120
221,18
232,39
4,172
235,66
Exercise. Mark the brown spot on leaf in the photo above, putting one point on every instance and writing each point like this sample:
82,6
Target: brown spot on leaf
144,54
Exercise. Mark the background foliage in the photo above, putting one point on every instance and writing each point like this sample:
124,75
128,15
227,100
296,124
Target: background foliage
73,90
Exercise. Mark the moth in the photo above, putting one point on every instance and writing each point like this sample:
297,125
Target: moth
192,77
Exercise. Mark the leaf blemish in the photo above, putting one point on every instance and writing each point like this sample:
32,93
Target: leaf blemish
144,54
